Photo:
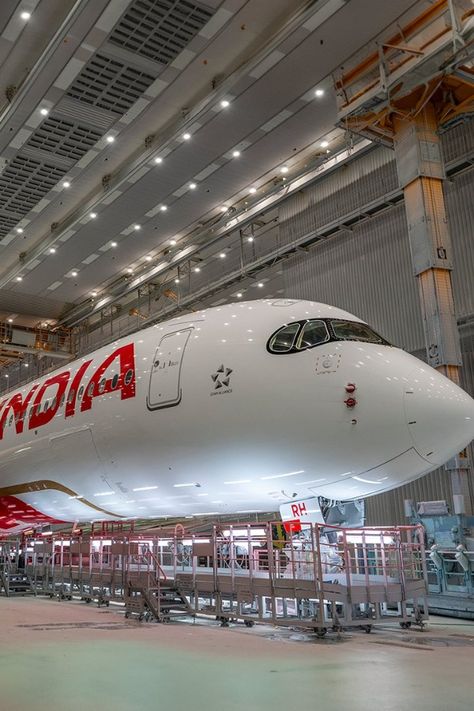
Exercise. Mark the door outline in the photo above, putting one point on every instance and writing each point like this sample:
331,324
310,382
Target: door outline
179,393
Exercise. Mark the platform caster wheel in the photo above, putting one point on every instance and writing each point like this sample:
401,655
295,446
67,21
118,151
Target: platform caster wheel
140,617
405,625
367,629
127,615
337,628
224,623
249,623
321,632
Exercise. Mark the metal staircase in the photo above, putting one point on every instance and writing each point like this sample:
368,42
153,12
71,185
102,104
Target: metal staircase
13,578
15,582
157,602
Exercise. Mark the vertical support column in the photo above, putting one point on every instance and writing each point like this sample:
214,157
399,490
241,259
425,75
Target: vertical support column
421,174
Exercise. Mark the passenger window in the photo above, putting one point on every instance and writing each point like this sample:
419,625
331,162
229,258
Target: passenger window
102,385
283,340
115,381
353,331
128,377
80,393
313,333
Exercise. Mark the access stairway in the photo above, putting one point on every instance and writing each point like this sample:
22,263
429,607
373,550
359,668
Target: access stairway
156,602
16,583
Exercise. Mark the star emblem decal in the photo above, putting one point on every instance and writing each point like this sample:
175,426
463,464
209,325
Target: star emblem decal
221,378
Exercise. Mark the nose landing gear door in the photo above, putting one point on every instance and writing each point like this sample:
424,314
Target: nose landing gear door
164,388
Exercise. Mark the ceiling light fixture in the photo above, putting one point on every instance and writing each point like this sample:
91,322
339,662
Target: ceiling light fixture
44,112
192,186
284,169
66,184
252,191
186,136
222,255
19,230
10,320
224,208
92,215
129,270
319,92
110,139
235,154
52,250
250,239
158,160
163,208
25,16
173,242
176,281
137,227
74,273
19,278
148,258
324,144
239,294
197,269
225,103
93,293
260,284
113,244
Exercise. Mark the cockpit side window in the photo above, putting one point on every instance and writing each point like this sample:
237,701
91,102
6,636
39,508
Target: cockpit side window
312,334
282,341
354,331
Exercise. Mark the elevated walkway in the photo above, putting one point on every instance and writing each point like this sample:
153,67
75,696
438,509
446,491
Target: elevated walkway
318,577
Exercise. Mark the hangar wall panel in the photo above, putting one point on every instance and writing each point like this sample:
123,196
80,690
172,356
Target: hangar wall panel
460,203
367,272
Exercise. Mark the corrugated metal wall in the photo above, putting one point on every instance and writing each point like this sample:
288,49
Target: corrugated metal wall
368,271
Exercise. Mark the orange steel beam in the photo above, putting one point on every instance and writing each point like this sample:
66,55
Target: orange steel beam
437,9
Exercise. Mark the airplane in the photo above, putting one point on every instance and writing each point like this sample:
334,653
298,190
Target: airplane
235,409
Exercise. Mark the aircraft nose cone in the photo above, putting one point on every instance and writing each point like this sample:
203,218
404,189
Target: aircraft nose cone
440,415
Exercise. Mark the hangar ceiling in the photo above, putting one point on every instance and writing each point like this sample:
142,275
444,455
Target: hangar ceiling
126,126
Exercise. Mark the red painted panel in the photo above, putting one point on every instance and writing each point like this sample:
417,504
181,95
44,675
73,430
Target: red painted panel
14,512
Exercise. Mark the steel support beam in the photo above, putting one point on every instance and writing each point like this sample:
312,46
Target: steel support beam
421,174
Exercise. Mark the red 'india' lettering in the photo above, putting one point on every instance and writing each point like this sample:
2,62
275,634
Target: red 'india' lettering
41,417
19,408
73,390
54,388
126,379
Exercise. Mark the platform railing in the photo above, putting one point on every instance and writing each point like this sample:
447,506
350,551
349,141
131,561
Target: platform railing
320,576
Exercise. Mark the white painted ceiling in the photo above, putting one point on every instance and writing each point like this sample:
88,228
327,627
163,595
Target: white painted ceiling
145,72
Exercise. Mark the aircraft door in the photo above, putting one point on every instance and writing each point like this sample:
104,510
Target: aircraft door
164,388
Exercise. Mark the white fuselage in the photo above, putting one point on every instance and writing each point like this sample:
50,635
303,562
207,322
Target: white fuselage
196,417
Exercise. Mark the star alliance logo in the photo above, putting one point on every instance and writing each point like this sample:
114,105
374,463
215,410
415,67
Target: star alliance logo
221,380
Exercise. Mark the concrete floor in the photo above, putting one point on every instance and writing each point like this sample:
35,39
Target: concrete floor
66,656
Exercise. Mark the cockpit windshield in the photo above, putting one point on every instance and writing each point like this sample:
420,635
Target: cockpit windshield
302,335
354,331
